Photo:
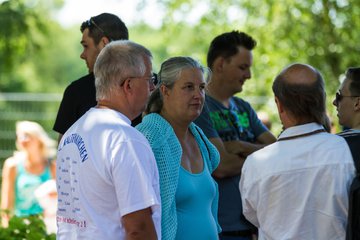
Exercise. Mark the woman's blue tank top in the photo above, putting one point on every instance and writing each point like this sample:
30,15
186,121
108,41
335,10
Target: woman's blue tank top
194,196
25,185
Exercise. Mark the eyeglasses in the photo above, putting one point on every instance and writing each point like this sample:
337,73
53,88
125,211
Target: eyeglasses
91,22
339,97
152,79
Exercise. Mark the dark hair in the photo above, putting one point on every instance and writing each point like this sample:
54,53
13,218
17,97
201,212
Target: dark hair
105,25
353,74
306,102
227,45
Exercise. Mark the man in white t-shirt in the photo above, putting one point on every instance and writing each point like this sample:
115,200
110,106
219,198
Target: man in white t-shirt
107,178
297,187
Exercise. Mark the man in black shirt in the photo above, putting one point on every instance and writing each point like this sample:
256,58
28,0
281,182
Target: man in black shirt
347,102
79,96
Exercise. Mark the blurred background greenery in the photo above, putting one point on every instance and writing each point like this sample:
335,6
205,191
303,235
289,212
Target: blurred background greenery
39,55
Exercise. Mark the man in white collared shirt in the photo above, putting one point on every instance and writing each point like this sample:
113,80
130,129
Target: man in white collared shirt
297,188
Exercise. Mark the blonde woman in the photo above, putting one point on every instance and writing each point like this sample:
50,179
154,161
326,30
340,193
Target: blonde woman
26,170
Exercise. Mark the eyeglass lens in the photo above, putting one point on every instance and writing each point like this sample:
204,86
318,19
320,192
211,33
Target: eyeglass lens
338,97
154,79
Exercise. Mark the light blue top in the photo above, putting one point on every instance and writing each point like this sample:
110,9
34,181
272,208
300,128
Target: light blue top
194,196
236,122
168,152
25,185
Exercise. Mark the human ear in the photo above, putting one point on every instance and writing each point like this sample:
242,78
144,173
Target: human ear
103,42
164,90
126,85
279,105
357,104
218,64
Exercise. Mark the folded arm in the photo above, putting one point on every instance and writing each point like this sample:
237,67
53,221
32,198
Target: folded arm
246,148
234,153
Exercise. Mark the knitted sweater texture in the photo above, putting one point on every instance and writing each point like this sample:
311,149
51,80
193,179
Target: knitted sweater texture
168,152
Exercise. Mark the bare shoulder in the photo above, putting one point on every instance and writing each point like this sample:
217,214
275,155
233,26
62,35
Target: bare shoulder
11,163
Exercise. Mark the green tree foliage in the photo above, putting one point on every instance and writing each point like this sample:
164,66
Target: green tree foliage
16,20
36,54
322,33
58,62
30,228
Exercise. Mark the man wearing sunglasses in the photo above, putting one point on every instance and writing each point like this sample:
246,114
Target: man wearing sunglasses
347,102
79,96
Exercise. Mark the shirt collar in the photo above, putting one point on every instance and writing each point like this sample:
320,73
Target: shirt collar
300,130
117,113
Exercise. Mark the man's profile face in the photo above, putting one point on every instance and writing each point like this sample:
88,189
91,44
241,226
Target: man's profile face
90,50
236,70
345,106
143,87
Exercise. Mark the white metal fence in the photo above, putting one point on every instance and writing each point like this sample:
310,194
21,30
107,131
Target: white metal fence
38,107
42,108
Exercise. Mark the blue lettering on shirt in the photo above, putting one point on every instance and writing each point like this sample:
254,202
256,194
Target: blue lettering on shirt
78,141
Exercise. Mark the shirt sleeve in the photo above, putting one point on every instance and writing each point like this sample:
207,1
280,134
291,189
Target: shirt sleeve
66,115
135,177
248,194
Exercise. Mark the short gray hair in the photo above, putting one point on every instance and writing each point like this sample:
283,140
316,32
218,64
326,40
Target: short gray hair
117,61
169,73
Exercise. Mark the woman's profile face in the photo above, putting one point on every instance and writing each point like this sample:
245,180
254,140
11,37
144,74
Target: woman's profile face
186,99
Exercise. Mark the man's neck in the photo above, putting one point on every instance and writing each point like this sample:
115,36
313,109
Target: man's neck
356,122
117,106
356,127
216,91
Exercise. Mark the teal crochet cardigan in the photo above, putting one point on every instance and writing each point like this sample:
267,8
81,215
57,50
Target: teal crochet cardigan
168,151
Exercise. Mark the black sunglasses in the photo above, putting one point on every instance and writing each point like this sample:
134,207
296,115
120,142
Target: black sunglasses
339,97
91,22
154,79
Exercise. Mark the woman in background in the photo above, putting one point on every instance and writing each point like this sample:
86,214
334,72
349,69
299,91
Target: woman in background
26,170
185,157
